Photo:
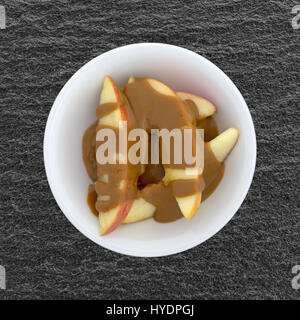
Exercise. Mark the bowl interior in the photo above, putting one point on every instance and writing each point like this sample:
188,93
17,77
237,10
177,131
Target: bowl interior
74,110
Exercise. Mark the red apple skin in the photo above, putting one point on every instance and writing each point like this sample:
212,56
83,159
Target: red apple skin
116,89
122,214
123,113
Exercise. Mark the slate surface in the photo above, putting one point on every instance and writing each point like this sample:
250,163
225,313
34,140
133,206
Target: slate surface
44,43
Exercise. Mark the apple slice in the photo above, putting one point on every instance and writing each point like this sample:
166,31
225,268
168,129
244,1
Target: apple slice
222,145
172,174
111,94
111,219
131,79
160,87
140,210
189,204
205,108
112,119
156,85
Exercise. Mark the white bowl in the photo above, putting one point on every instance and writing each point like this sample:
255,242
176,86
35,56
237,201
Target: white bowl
75,109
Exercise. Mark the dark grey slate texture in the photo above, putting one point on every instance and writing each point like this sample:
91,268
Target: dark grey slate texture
44,43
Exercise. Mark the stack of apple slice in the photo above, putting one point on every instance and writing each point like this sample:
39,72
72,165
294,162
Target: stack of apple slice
139,209
111,219
221,146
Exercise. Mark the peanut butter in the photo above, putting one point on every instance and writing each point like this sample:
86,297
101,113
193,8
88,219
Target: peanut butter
148,109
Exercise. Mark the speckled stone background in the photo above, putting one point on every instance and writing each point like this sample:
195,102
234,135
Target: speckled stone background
44,43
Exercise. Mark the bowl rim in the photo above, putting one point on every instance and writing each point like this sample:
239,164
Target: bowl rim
160,253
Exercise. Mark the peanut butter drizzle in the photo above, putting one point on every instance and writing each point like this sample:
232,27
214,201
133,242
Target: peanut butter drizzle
92,199
153,110
106,108
181,188
212,173
89,151
161,197
148,109
211,187
152,174
210,128
192,109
